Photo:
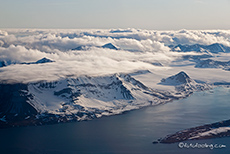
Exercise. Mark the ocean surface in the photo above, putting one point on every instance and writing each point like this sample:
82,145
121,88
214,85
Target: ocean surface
129,133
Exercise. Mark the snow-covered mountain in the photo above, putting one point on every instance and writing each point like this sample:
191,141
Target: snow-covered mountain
82,98
178,79
209,63
75,99
183,82
213,48
43,60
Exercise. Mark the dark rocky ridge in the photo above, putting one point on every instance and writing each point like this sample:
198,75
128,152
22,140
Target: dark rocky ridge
188,134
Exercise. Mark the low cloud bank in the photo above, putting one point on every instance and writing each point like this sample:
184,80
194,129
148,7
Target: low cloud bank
138,50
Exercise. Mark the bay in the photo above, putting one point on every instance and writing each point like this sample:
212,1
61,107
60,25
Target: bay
129,133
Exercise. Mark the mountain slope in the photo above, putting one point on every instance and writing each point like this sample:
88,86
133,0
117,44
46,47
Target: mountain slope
183,82
71,99
84,98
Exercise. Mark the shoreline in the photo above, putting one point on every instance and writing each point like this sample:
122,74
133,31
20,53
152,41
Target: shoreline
208,131
58,119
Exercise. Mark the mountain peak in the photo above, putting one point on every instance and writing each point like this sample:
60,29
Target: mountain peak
44,60
83,47
213,48
110,46
3,63
180,78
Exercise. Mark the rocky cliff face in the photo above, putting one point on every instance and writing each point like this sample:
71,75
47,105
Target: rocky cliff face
14,104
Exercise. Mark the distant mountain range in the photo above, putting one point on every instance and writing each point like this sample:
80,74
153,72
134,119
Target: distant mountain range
209,63
213,48
203,61
5,63
209,49
88,47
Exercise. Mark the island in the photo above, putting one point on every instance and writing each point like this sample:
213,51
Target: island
208,131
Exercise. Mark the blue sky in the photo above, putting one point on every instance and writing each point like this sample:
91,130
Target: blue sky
144,14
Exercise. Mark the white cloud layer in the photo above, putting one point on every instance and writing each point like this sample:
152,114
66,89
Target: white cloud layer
138,49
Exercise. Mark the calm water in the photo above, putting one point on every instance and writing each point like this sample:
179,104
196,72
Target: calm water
131,133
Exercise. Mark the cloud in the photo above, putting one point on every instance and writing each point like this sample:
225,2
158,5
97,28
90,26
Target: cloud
1,43
95,62
3,33
128,39
20,54
139,48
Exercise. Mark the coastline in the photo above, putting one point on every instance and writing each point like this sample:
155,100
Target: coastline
207,131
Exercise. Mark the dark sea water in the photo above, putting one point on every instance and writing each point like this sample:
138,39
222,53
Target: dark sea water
130,133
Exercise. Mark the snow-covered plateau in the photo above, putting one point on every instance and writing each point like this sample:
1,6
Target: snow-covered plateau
51,76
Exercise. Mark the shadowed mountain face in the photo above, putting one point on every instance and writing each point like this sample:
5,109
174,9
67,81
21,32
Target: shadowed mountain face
5,63
14,100
44,60
110,46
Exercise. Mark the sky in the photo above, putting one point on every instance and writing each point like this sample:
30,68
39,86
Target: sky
101,14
